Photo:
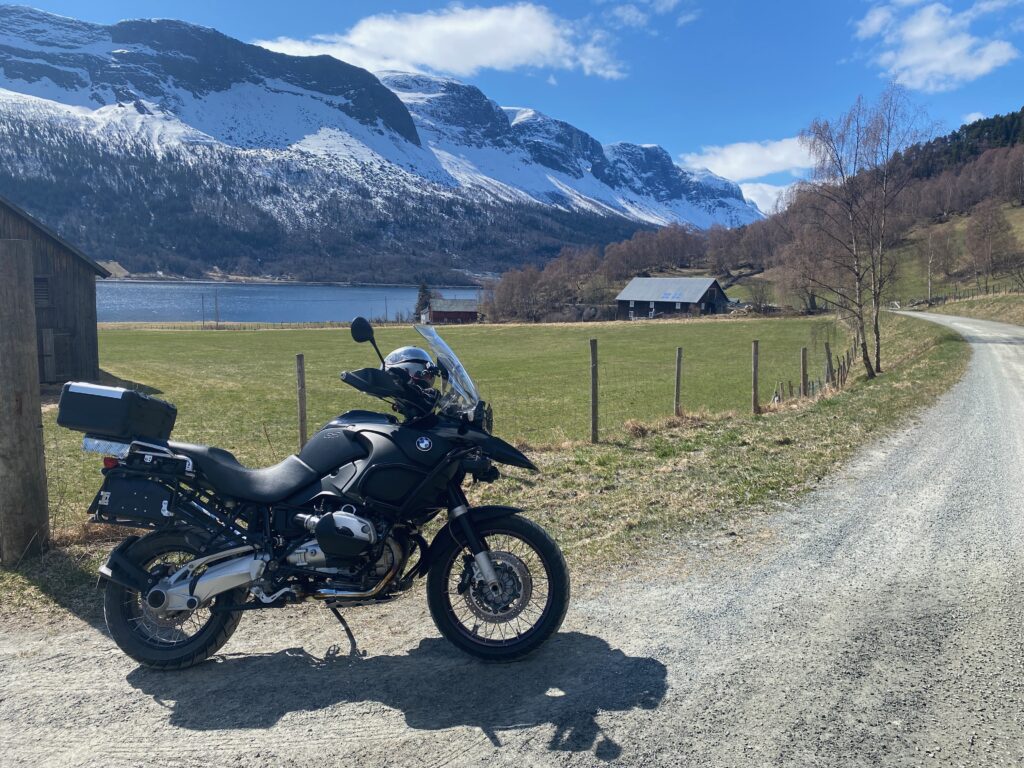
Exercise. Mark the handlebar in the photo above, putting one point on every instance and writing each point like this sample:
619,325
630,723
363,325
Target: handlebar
410,400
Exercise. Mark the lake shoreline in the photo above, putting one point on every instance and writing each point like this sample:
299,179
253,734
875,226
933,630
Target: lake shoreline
256,281
181,301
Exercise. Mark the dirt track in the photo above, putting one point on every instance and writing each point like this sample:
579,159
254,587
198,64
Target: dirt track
877,623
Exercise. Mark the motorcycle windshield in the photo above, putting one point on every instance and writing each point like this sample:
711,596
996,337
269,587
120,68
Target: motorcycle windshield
462,397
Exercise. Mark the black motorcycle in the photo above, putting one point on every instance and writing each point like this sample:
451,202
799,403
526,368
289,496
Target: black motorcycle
340,522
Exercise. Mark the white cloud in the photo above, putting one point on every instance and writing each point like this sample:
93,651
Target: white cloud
932,49
552,80
629,15
752,159
462,41
973,117
640,13
876,20
764,196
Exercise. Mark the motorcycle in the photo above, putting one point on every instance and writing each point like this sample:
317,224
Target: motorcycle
340,522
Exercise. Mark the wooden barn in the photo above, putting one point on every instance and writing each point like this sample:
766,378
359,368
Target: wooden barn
660,296
65,298
442,311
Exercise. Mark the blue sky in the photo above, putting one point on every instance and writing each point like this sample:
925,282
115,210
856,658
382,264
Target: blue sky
727,85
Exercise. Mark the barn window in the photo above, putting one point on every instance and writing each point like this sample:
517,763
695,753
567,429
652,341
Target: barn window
632,304
42,291
679,305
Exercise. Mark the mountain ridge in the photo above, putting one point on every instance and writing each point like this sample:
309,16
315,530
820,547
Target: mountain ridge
299,145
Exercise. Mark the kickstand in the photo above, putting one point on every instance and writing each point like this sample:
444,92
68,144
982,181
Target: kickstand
353,648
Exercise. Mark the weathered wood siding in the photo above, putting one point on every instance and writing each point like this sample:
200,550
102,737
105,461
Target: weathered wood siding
65,299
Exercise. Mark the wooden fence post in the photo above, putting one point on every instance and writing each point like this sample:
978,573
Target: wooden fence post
754,404
803,372
24,515
677,409
593,390
300,391
830,374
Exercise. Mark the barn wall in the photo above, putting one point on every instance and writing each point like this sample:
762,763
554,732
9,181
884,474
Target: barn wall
440,317
65,303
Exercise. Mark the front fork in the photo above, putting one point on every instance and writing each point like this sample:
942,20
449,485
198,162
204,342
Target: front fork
458,511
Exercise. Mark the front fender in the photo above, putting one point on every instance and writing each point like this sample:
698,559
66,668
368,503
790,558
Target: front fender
448,534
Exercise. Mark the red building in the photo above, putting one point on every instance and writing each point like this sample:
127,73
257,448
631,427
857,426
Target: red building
449,311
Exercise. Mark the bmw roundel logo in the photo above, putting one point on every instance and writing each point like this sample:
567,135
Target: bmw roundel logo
424,443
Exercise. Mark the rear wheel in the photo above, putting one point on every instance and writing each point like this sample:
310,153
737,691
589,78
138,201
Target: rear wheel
528,608
172,640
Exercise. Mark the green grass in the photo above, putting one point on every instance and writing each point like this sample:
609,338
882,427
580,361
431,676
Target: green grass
236,389
646,483
912,279
1002,309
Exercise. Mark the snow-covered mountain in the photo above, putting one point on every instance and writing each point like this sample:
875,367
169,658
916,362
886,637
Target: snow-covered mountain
232,155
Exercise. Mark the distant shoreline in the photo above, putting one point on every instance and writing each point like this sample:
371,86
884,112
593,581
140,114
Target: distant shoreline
297,283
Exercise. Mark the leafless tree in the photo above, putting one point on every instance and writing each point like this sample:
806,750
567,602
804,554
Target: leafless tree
837,201
989,240
859,177
895,125
935,250
760,295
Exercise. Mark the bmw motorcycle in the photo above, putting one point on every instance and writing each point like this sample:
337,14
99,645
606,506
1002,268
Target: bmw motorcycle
341,522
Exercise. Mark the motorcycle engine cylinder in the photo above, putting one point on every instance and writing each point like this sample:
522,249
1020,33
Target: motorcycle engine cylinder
344,534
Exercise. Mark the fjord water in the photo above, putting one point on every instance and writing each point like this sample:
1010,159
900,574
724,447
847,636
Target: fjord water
132,301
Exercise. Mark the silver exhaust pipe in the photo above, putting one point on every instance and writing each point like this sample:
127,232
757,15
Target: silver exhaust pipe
217,579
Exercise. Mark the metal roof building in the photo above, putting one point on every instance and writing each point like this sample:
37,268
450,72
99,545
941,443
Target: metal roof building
659,296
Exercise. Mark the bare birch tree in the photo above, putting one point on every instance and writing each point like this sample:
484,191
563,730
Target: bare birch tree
837,202
989,240
894,126
859,175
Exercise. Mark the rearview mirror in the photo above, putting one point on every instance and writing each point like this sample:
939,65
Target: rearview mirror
362,331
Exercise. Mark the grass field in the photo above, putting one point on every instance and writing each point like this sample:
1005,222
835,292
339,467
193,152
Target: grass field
1002,309
236,389
641,486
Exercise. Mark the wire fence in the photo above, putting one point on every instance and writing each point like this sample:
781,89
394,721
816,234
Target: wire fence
1005,288
560,408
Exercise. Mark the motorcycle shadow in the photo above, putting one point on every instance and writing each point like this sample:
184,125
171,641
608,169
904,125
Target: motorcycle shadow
567,683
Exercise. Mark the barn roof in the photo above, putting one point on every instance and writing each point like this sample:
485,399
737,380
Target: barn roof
47,232
454,305
683,289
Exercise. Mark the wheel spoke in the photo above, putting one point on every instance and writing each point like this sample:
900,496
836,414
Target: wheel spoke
518,609
166,630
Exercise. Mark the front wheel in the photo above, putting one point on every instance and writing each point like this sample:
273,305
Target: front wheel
530,606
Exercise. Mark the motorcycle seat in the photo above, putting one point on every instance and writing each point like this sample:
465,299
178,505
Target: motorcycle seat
231,478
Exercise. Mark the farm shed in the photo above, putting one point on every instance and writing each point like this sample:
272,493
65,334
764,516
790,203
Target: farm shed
441,311
658,296
65,298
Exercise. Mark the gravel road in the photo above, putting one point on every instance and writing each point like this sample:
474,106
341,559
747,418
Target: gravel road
876,623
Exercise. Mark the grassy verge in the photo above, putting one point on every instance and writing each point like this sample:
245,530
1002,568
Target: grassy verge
1002,309
651,480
